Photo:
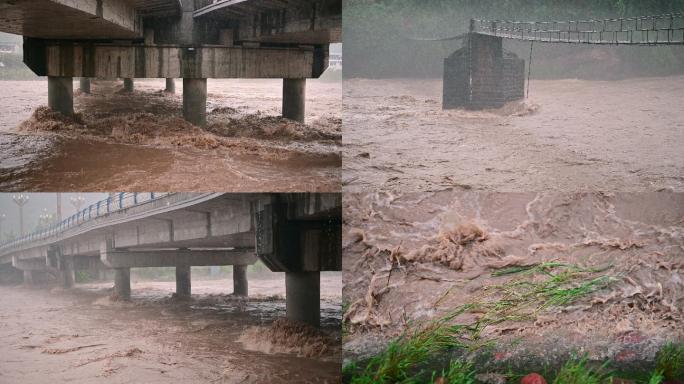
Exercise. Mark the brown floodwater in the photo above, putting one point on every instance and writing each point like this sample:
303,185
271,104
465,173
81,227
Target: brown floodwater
606,135
414,257
80,335
139,141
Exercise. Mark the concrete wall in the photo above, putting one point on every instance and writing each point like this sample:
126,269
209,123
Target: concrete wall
480,75
110,61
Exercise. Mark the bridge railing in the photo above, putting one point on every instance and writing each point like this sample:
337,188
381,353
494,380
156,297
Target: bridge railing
644,30
113,203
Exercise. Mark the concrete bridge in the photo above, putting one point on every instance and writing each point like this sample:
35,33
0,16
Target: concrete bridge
189,39
299,234
481,74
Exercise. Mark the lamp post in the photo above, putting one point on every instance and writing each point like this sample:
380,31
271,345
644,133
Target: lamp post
77,202
20,200
45,218
59,206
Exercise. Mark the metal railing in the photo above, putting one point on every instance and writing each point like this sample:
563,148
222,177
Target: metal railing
113,203
640,30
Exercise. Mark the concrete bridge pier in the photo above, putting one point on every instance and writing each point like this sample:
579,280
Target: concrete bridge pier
195,101
122,283
170,85
29,278
240,280
67,272
183,284
302,297
294,95
84,84
128,85
61,94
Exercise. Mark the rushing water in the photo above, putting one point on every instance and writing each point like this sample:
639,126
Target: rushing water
139,142
606,135
53,335
409,258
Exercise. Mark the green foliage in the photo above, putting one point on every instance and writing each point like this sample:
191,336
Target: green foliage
656,377
536,289
576,371
459,372
670,361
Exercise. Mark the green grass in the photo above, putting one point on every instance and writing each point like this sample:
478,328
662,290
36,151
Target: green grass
459,372
576,371
537,288
670,361
656,377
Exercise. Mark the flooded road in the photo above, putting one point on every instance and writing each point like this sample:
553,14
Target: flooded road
139,141
80,335
416,257
605,135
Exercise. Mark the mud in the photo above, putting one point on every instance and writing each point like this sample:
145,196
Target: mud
81,335
415,257
140,141
604,135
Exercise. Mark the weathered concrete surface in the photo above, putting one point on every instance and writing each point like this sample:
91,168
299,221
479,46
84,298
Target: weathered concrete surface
183,280
71,19
122,283
84,84
128,61
171,258
61,94
128,85
195,101
170,85
302,296
299,21
294,99
240,280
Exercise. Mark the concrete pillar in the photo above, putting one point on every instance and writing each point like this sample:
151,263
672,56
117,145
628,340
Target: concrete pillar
28,278
303,292
122,283
240,280
128,85
170,85
183,285
294,95
68,273
195,101
84,84
61,94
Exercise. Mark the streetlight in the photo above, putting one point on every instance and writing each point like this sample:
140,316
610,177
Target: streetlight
77,202
20,200
45,218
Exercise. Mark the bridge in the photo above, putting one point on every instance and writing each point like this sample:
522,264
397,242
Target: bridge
481,75
189,39
298,233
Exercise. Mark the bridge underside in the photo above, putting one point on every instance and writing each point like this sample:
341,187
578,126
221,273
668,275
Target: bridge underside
62,19
299,234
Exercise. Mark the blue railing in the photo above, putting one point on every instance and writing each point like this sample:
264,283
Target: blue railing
113,203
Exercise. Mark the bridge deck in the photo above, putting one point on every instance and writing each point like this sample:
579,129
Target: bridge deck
642,30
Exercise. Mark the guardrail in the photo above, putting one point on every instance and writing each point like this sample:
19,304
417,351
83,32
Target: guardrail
111,204
641,30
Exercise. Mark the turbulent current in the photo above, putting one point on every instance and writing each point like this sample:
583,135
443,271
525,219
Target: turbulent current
415,257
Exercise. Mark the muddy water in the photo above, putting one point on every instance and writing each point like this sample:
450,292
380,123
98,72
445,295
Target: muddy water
409,258
81,335
615,135
140,142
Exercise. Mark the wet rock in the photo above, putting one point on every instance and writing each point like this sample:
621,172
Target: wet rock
533,378
491,378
